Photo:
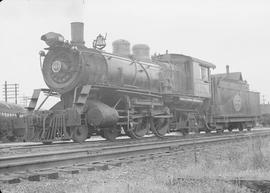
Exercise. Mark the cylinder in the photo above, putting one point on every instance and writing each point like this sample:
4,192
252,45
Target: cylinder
141,51
77,38
100,114
121,47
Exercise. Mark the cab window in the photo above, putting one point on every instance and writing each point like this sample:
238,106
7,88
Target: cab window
204,73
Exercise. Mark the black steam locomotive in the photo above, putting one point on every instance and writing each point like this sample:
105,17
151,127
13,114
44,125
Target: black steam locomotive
110,94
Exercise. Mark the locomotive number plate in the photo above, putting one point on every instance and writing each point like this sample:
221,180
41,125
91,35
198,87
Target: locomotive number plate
56,66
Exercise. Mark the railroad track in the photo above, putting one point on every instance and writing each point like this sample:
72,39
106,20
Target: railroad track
23,148
14,149
33,166
7,149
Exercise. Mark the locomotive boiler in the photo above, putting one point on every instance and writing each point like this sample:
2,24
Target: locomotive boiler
112,93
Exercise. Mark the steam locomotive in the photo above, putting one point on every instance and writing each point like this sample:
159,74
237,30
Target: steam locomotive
110,94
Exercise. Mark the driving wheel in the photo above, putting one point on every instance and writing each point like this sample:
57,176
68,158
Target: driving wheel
139,128
160,126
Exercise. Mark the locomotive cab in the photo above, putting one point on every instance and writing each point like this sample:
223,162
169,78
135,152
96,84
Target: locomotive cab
189,101
188,75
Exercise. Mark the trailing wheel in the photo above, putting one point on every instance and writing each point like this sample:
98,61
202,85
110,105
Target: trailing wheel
139,128
208,128
160,126
185,131
220,131
111,133
80,134
197,130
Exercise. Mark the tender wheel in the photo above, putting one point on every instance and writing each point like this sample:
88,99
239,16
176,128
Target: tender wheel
11,138
160,126
139,128
220,131
80,134
241,126
110,133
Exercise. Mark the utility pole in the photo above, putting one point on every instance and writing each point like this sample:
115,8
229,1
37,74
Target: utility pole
16,93
11,91
24,100
5,91
263,99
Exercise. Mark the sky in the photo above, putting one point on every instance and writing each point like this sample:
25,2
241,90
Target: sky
228,32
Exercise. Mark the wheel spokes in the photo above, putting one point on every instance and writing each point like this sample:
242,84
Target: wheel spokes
160,126
140,128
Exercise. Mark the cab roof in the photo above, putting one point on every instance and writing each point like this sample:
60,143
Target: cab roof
171,57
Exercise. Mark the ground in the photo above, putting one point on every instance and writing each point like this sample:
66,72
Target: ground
248,159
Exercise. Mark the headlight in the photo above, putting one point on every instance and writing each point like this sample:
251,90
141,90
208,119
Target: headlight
53,39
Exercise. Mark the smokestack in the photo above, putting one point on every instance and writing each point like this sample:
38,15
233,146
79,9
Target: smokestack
227,69
77,34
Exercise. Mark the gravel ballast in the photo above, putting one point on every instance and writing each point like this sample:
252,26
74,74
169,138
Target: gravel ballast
240,159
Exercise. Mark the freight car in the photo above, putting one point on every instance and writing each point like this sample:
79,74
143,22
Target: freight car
11,123
265,115
109,93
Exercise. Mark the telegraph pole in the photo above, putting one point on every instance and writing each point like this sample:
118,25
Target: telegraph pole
263,99
11,91
5,91
24,100
16,93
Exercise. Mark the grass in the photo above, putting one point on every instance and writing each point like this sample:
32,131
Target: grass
245,159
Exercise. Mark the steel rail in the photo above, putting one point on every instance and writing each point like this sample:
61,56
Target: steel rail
39,147
15,149
4,147
97,154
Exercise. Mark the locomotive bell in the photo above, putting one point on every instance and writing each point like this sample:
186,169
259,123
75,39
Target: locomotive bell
77,34
100,42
